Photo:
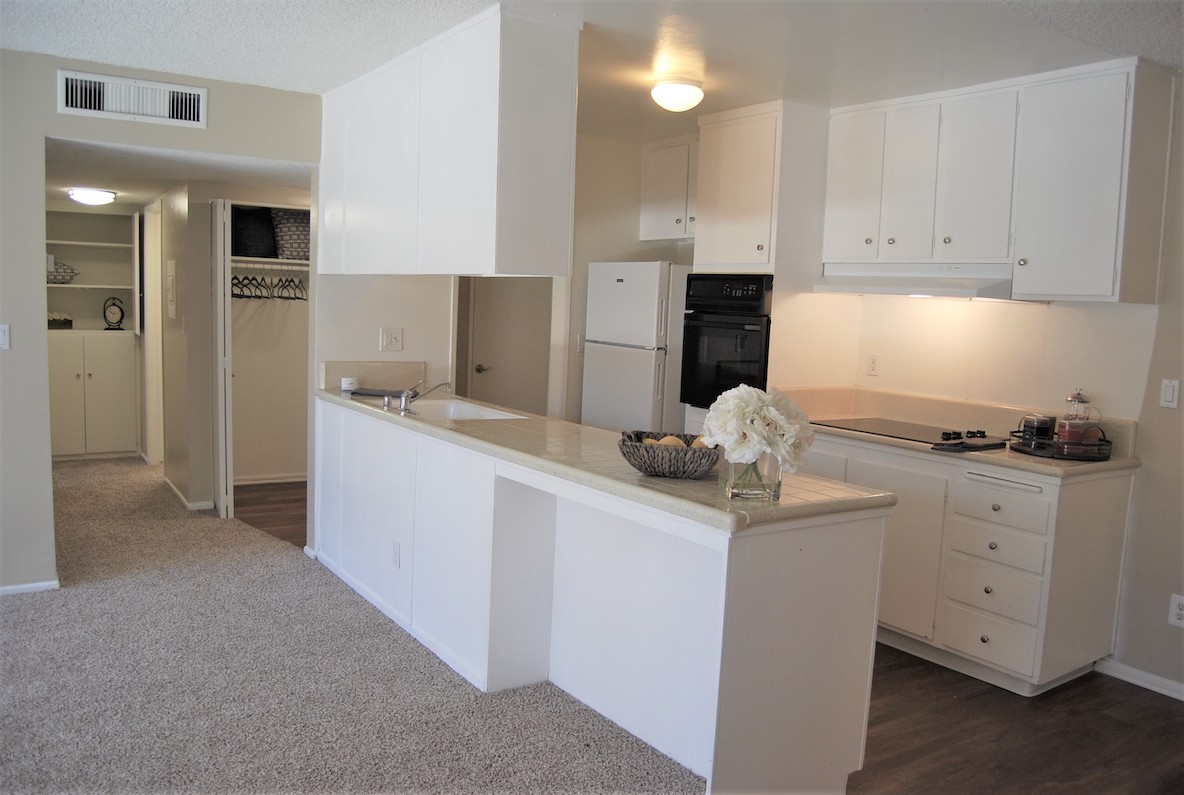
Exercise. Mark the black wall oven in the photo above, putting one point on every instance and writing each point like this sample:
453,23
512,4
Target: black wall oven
725,335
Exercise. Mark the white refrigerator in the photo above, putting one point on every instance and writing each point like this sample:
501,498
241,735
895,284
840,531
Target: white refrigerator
633,346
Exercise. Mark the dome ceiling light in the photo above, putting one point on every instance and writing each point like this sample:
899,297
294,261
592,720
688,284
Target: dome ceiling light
677,94
91,196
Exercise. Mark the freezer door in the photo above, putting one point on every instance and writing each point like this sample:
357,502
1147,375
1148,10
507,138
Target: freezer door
627,303
623,388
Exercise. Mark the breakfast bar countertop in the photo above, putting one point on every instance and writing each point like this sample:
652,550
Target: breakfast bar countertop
590,457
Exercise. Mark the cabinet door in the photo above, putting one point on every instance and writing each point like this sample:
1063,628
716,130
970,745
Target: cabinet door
1070,155
910,183
331,182
378,512
111,412
737,191
975,163
664,178
67,395
382,173
458,153
453,555
912,542
854,178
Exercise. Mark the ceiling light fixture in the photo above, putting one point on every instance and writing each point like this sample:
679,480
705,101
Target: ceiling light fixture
677,94
92,196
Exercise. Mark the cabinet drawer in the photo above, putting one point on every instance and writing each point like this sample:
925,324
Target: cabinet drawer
994,543
1027,512
1004,591
995,640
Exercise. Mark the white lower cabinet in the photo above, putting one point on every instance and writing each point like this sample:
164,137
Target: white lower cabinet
453,555
1017,573
92,392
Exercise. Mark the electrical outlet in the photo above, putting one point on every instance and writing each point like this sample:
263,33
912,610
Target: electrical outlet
873,364
390,339
397,556
1176,611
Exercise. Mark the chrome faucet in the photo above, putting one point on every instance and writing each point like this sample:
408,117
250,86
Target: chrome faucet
401,394
411,395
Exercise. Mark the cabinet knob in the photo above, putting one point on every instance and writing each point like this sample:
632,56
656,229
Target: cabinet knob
992,545
947,240
78,376
892,241
988,589
90,375
996,507
691,220
678,220
760,246
867,241
983,639
1022,262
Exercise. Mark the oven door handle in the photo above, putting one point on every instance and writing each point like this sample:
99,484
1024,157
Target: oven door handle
724,325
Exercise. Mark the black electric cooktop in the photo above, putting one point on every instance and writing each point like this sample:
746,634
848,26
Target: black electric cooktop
940,438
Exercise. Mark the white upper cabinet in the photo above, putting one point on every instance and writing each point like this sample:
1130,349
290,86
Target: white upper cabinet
457,158
669,172
739,170
922,182
910,182
1090,177
976,156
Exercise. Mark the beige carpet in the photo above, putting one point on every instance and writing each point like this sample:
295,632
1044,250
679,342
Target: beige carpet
185,653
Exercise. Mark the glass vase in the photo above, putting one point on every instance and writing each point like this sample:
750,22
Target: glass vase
760,480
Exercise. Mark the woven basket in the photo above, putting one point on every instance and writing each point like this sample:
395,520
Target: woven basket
663,460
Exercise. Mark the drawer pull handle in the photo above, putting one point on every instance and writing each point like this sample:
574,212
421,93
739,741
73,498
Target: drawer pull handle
992,545
983,639
996,507
988,589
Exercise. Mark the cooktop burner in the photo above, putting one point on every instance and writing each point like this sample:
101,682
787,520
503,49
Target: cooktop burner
940,438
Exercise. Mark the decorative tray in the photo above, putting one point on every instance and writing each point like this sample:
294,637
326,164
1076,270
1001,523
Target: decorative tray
1098,450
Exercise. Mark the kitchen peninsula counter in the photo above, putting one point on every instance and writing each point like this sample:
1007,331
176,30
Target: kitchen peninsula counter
735,637
590,457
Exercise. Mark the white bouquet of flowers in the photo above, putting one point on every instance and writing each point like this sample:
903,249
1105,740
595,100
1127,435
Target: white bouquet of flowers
749,422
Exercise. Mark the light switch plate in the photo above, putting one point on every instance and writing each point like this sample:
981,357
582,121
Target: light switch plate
1169,394
3,336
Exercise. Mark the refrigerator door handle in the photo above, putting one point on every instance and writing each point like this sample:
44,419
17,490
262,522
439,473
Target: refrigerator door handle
659,380
624,345
662,318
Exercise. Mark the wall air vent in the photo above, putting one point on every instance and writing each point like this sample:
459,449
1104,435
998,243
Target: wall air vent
131,100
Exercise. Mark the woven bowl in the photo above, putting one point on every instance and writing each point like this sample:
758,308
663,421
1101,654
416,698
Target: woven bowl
663,460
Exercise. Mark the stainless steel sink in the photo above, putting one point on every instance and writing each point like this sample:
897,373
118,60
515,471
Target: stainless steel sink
442,409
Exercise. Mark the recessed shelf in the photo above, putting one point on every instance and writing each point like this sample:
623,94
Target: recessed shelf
295,264
93,286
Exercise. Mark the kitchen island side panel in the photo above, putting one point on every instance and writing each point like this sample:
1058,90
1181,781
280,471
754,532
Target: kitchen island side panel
795,683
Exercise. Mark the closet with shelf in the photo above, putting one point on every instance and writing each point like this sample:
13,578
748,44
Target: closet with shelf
264,263
91,258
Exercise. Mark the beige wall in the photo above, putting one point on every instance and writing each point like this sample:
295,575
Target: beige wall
243,121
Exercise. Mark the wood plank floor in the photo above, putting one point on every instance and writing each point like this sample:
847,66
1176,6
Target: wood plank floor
276,508
933,730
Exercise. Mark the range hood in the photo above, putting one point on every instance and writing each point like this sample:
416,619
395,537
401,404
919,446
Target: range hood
918,279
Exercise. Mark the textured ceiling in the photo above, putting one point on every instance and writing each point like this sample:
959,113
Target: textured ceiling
821,52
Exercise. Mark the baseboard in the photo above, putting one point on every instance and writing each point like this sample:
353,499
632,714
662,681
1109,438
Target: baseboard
204,505
29,587
261,480
310,552
1126,673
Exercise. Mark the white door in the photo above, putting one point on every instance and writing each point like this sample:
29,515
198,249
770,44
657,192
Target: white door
664,180
910,183
111,415
854,178
623,388
67,394
224,402
509,342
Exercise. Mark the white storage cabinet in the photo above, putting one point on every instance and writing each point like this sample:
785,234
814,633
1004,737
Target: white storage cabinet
737,194
456,159
92,392
1023,585
669,176
1091,168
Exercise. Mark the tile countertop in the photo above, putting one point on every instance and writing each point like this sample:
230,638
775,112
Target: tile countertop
1051,467
590,457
